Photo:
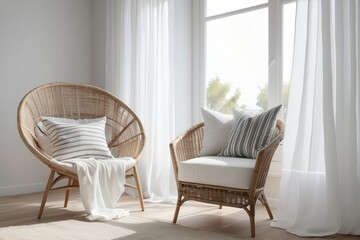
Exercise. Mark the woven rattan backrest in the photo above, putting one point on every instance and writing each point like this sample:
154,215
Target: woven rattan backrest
77,101
264,157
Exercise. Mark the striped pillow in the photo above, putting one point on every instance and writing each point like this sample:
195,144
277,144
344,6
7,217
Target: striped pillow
77,140
250,133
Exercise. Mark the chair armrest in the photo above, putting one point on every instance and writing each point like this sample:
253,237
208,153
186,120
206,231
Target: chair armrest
187,145
264,158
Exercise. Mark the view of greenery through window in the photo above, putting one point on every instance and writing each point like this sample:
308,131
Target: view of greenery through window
218,97
263,97
237,48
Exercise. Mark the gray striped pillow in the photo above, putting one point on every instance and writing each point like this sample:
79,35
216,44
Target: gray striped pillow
250,134
77,140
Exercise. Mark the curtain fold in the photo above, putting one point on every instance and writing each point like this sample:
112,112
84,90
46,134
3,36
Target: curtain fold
320,183
138,71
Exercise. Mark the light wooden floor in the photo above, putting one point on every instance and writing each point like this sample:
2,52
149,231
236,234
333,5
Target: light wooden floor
22,210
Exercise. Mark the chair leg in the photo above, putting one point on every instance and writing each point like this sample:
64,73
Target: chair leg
220,206
252,218
46,193
178,205
265,203
138,186
68,192
252,225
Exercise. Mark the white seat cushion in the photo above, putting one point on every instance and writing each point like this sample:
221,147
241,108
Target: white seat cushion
220,171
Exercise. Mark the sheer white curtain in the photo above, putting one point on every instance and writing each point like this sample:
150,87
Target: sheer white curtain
138,71
320,185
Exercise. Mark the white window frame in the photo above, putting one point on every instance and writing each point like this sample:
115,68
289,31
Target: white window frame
199,52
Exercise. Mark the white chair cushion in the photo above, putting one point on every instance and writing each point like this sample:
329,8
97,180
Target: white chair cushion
220,171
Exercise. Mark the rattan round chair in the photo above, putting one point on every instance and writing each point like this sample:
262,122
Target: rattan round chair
77,101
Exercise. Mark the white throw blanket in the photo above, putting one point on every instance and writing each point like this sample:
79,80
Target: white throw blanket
101,185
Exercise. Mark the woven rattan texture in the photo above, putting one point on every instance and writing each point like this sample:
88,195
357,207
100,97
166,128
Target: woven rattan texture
80,101
188,145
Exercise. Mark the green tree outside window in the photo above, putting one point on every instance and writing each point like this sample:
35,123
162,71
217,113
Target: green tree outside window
218,99
263,96
217,96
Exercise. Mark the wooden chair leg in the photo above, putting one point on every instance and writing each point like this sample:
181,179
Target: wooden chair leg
68,192
138,186
178,205
265,203
46,193
252,218
220,206
252,225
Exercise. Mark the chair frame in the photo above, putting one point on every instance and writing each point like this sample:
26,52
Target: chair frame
188,145
80,101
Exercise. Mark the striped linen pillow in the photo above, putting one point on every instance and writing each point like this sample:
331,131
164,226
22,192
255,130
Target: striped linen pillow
250,134
77,140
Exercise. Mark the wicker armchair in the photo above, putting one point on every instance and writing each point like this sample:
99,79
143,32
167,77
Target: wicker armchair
187,146
77,101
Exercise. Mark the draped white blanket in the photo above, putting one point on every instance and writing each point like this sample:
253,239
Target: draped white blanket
101,185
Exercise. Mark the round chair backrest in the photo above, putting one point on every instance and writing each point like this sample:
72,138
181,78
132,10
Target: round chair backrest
76,101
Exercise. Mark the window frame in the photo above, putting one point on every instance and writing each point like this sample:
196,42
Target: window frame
275,54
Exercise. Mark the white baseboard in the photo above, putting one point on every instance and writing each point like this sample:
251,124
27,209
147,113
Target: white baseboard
21,189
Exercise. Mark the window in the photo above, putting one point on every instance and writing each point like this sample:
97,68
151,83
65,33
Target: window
245,53
289,11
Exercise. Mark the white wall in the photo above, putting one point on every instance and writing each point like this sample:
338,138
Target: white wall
40,41
98,42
